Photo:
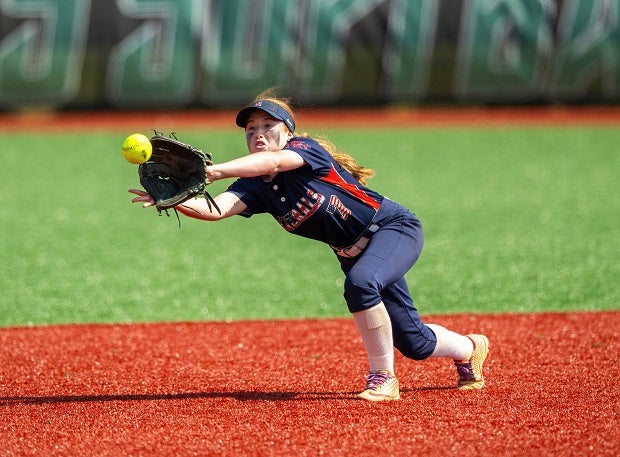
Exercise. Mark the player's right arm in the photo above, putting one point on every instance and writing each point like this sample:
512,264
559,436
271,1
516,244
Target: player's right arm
263,163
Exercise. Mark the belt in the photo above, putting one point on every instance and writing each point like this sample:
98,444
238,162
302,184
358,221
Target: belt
356,248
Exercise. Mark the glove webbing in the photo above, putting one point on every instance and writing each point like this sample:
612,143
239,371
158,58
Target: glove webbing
168,214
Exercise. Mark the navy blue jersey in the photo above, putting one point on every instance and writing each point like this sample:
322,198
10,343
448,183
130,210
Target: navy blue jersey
320,200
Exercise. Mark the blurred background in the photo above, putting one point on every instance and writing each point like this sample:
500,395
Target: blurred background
136,54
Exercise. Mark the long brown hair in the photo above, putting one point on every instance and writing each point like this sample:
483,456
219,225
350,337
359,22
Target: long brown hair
360,173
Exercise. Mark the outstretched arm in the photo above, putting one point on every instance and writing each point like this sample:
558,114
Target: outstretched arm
262,163
198,208
257,164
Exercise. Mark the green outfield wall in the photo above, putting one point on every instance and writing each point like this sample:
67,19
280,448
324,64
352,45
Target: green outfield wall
74,54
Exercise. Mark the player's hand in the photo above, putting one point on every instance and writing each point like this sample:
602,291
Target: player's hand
142,197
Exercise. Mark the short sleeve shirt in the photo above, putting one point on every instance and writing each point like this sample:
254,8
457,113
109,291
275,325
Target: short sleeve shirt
320,200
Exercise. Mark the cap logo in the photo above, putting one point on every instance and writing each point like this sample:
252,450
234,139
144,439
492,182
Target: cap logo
273,109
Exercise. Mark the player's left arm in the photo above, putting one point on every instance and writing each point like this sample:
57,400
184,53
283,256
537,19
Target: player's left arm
257,164
198,208
228,203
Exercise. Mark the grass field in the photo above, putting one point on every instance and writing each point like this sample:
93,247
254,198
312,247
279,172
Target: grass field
516,220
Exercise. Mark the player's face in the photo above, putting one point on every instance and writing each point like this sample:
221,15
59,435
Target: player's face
264,133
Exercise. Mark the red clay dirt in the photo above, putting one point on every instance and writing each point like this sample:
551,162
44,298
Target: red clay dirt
316,117
287,388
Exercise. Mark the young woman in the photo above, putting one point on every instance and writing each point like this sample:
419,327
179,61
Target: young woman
314,191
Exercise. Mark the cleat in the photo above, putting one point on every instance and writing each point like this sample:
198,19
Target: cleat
470,372
380,386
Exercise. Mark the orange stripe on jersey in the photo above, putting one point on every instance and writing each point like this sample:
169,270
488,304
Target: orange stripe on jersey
335,179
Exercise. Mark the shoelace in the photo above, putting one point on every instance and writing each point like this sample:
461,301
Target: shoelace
376,379
465,371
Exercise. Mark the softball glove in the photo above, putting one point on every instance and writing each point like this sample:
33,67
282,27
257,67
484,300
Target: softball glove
175,173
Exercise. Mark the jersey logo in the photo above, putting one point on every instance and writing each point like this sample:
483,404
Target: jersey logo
298,144
306,207
335,205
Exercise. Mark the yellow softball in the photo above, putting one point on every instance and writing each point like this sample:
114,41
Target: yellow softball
137,148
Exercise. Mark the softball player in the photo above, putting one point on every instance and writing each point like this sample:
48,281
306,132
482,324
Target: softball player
316,192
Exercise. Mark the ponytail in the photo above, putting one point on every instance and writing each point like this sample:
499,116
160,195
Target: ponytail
360,173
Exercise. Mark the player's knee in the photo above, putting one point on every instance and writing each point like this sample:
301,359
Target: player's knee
418,348
360,293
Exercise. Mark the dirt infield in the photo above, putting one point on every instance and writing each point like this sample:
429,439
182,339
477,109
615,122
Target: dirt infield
284,388
318,118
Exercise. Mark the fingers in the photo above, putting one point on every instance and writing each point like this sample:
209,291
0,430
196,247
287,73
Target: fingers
143,197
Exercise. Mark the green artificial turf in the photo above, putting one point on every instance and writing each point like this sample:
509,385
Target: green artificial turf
516,220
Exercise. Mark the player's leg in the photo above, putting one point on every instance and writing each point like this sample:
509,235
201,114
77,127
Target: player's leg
387,258
375,329
468,352
411,336
418,341
374,326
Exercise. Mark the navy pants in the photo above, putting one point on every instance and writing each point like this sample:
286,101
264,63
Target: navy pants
378,275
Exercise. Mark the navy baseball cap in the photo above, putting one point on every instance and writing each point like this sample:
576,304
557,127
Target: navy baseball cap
271,108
